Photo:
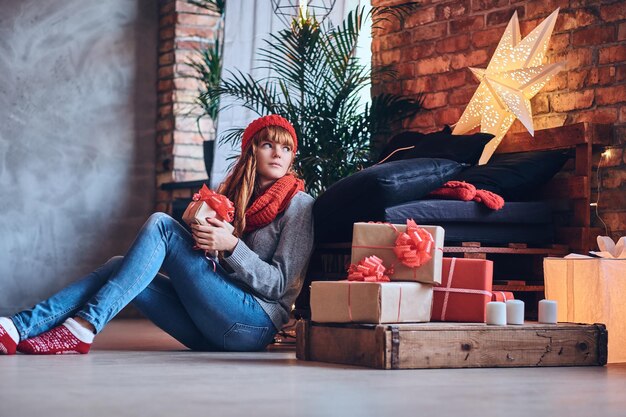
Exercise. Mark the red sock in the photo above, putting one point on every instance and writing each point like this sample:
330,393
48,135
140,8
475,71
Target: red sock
7,344
58,341
491,200
455,190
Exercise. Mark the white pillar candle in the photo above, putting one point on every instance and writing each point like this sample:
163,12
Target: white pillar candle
547,311
515,312
496,313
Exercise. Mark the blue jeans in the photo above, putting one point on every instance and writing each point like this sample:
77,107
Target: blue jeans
200,307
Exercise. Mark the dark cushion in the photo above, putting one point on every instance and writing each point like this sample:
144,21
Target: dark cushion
524,222
516,176
431,211
364,196
461,148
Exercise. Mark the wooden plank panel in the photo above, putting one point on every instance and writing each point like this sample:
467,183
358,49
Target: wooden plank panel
553,251
571,236
557,138
579,239
572,188
302,337
581,215
354,347
583,162
456,345
509,287
499,347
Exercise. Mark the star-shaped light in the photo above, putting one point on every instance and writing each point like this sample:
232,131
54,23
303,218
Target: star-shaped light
514,75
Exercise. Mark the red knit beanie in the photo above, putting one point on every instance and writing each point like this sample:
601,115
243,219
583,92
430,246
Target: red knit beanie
265,121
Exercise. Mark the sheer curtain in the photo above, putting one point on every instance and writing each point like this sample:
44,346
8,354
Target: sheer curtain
247,24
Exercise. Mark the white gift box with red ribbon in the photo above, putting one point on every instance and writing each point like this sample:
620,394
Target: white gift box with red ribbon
382,240
370,302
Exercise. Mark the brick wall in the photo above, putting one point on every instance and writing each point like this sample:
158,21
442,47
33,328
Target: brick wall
183,29
436,44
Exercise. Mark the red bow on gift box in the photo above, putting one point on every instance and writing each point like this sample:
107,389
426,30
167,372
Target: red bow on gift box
369,269
414,247
218,202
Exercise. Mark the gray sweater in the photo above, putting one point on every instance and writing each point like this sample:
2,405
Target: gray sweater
271,261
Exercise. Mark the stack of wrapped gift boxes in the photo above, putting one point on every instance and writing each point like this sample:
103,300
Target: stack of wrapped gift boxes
399,275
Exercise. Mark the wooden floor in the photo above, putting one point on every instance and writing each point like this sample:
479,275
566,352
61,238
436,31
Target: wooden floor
136,370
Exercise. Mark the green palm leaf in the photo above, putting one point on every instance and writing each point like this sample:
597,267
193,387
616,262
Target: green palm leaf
316,83
381,14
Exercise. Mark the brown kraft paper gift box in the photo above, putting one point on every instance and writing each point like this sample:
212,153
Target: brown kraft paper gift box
370,302
379,239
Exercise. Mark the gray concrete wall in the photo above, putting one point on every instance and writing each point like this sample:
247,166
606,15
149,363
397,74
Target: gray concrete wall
77,117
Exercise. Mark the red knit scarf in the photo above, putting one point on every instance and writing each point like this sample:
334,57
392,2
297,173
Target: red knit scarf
272,202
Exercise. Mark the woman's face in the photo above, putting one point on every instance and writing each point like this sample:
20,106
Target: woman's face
273,160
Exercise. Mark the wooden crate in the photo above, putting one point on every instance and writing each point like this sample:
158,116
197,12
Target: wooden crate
452,345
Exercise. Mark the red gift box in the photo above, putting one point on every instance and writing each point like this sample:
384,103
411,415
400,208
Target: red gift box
464,292
503,296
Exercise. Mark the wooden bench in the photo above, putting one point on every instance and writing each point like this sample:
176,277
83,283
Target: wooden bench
572,185
569,193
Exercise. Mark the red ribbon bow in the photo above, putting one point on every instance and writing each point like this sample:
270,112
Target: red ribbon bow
414,247
369,269
218,202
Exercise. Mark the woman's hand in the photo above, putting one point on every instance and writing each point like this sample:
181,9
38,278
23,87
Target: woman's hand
214,236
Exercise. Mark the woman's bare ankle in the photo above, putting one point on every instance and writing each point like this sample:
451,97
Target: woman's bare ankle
85,324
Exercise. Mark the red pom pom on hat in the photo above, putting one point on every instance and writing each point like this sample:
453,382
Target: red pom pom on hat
265,121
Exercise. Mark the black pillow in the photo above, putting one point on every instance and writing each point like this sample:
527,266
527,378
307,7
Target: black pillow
364,195
461,148
516,176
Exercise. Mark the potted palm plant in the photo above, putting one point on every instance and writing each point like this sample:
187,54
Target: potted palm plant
316,82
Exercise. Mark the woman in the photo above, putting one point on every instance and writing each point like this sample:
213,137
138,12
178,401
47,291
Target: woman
238,304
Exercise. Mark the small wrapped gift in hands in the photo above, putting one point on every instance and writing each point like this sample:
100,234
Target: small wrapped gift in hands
208,204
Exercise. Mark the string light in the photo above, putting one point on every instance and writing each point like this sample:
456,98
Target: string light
604,155
288,10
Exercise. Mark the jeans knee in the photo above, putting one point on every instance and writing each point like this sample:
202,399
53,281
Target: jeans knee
115,260
158,217
160,220
109,267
